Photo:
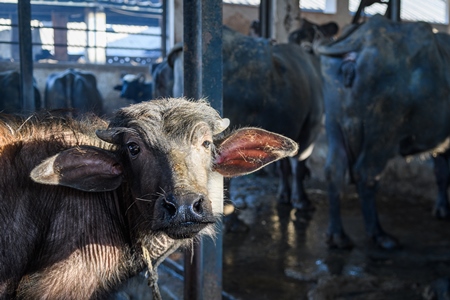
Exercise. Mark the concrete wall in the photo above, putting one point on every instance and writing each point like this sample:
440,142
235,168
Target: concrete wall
239,17
107,77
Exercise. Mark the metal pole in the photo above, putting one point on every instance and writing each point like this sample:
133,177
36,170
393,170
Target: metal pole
357,16
164,26
265,18
395,10
203,79
26,56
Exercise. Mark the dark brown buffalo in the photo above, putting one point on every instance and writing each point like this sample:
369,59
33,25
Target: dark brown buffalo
276,87
85,205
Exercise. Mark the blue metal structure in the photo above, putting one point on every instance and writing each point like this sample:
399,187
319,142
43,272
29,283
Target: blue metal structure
203,79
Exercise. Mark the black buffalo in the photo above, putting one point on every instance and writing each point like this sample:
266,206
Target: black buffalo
311,35
387,92
10,93
85,205
163,76
276,87
73,89
134,87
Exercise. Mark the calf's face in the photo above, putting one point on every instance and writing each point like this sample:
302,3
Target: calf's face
169,176
167,156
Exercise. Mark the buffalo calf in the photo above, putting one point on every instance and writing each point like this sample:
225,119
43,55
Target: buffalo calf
85,205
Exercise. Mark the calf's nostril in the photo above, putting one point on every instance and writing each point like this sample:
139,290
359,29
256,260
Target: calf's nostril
170,208
197,206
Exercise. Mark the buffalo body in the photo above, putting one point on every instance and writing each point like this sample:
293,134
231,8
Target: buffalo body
73,89
387,92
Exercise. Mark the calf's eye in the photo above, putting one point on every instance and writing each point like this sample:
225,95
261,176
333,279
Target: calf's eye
133,148
206,144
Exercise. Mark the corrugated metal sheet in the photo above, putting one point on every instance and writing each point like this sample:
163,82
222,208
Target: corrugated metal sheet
313,5
433,11
243,2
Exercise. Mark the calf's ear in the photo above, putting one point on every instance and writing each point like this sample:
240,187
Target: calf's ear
84,168
249,149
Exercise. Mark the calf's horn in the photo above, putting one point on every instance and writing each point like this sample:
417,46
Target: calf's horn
112,135
222,124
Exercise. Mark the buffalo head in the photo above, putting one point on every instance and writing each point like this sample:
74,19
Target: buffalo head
163,160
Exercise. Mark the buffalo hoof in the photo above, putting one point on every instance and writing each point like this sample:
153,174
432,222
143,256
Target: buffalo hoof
386,242
339,241
303,205
440,212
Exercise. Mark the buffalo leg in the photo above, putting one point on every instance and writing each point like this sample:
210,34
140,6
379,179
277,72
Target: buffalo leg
442,174
299,198
284,174
367,195
366,172
335,168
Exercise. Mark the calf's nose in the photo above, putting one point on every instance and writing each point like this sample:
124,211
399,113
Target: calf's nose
188,207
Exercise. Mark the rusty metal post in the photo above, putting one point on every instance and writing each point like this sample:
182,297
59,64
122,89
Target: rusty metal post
203,79
26,56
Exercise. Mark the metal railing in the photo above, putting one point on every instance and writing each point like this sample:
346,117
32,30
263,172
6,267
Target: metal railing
128,51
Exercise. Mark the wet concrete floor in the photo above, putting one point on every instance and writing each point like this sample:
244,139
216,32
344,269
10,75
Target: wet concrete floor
283,254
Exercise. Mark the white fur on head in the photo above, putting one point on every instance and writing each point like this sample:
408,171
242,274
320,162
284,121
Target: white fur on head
129,77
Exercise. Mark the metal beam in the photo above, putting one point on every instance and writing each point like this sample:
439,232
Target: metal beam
203,79
26,56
